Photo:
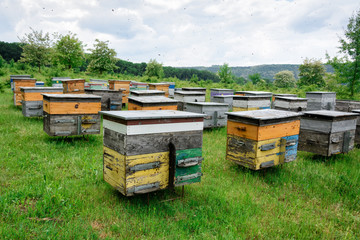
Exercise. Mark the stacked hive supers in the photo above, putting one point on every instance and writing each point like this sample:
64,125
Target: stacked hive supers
121,84
220,92
214,112
184,97
17,84
110,99
262,138
71,114
160,86
146,151
247,103
73,86
293,104
32,99
321,101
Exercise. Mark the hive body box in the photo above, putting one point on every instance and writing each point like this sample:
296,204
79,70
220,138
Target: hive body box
147,93
57,81
171,89
280,95
263,138
98,84
247,103
160,86
17,84
111,100
145,151
321,101
73,86
214,112
220,92
357,131
118,84
194,89
71,114
293,104
152,103
347,105
32,99
253,93
138,86
228,99
12,77
188,96
327,132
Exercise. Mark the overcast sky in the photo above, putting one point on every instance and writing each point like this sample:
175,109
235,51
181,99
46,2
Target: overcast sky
190,32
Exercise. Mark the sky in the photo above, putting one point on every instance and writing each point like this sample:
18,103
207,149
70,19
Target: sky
184,33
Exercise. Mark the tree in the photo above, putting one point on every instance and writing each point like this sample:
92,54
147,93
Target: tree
347,68
255,78
285,79
194,78
36,49
69,51
154,69
10,50
102,58
225,74
312,72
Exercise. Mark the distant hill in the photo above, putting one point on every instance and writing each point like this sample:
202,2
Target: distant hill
266,71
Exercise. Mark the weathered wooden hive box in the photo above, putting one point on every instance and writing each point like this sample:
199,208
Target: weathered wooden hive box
57,81
347,105
171,89
357,131
98,84
71,114
214,112
248,103
220,92
147,93
146,151
17,84
12,77
111,100
188,96
293,104
160,86
263,138
152,103
138,86
327,132
228,99
118,84
253,93
194,89
73,86
321,101
280,95
32,99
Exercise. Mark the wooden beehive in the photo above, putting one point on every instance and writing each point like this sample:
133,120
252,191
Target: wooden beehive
121,84
57,81
134,86
160,86
73,86
262,138
17,84
194,89
293,104
12,77
321,101
171,89
147,93
32,99
146,151
188,96
281,95
253,93
220,92
152,103
357,131
111,100
98,84
214,112
71,114
327,132
228,99
347,105
248,103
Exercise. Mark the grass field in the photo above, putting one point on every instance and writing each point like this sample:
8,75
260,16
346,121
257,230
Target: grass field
52,187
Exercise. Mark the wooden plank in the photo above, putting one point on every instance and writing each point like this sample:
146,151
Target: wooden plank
36,96
114,169
133,106
328,126
263,132
71,107
18,83
32,108
238,109
258,163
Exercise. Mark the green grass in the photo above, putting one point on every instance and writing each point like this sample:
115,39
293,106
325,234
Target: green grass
52,187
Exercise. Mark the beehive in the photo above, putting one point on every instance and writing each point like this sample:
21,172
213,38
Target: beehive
160,86
220,92
39,84
293,104
57,81
73,86
111,100
138,86
146,151
228,99
147,93
188,96
262,138
152,103
118,84
12,77
194,89
214,112
171,89
32,99
17,84
98,84
253,93
347,105
327,132
321,101
281,95
357,131
248,103
71,114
